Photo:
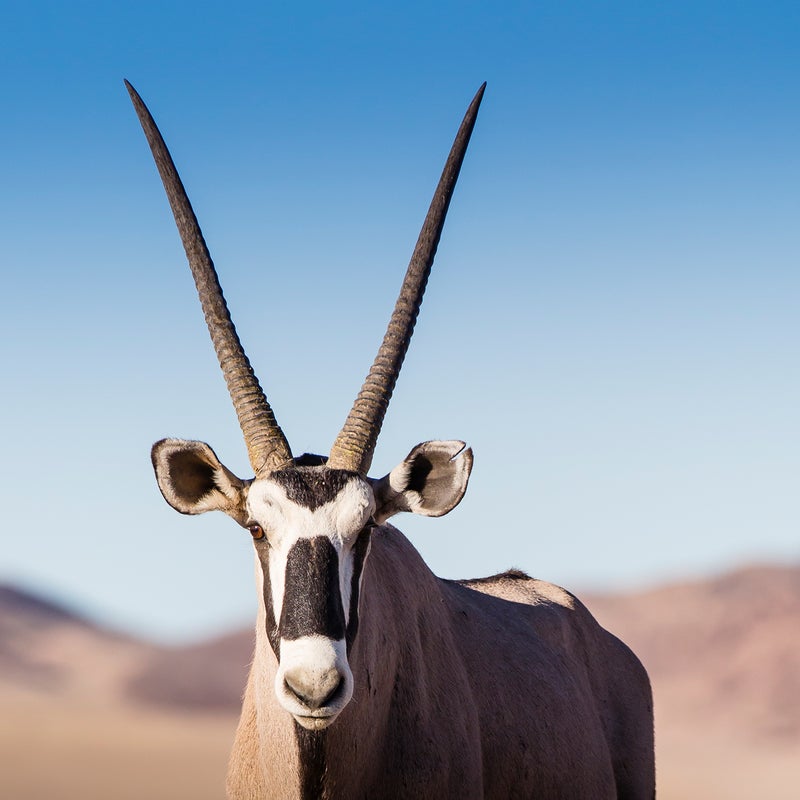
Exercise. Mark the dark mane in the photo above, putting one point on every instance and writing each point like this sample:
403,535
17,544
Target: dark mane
509,575
310,460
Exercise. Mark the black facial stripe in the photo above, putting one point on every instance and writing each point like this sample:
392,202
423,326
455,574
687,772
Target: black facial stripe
311,748
312,487
312,601
360,549
272,628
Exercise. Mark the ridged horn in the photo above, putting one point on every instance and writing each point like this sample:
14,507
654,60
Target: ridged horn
355,444
266,445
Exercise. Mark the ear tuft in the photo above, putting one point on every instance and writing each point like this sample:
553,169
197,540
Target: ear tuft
431,481
193,480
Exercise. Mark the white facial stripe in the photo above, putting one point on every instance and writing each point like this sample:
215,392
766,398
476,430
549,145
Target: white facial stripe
346,582
277,577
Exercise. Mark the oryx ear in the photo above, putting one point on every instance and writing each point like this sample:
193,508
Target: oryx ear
193,480
431,481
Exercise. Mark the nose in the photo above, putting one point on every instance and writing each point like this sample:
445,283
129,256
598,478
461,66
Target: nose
313,682
314,688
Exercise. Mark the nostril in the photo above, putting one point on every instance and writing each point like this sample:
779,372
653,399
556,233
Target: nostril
334,693
314,691
297,689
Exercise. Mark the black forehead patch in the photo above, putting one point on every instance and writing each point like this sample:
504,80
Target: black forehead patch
312,487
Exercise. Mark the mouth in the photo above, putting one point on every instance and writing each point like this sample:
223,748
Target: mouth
316,721
313,719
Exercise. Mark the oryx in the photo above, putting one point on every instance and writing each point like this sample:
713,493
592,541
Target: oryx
372,678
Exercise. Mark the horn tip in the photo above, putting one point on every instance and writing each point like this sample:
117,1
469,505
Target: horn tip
476,101
137,101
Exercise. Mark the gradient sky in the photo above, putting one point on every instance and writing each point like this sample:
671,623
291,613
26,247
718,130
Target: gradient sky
613,320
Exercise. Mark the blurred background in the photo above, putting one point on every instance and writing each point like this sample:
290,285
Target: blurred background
611,323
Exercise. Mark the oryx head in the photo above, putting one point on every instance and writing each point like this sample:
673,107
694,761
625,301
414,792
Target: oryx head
311,518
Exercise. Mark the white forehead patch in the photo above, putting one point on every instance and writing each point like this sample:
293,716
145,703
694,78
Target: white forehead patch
341,518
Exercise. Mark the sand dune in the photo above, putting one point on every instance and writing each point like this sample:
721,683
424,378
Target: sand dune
89,713
52,748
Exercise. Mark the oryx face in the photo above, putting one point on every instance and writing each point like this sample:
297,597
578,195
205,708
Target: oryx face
311,529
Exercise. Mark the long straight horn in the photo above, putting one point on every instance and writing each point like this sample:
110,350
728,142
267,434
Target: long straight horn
355,444
266,445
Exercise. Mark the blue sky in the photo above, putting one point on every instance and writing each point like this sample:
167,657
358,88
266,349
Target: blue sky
612,320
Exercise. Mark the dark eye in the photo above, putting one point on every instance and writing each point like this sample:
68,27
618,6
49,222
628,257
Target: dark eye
256,531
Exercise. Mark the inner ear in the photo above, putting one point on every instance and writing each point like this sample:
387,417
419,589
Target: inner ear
431,480
193,480
418,477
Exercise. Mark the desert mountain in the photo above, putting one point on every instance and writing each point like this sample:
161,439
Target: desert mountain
724,660
48,649
209,676
722,652
70,728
